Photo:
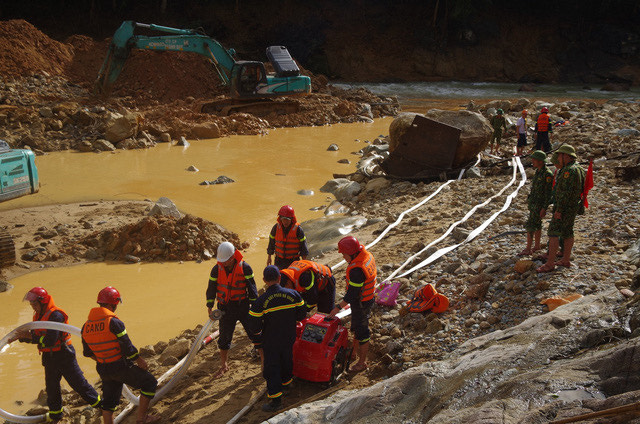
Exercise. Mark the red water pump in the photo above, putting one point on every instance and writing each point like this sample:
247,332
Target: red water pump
321,351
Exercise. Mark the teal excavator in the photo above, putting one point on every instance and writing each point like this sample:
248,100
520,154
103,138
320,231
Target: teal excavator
251,89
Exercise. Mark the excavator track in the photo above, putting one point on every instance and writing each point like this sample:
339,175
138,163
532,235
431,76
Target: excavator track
7,249
258,108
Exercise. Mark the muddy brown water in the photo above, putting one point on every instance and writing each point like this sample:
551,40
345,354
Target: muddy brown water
161,300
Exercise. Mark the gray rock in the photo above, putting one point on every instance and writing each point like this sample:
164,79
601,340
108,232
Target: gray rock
347,161
103,145
165,207
176,350
335,207
222,179
192,169
45,112
305,192
628,132
183,142
132,259
4,286
473,172
333,148
376,185
342,188
165,137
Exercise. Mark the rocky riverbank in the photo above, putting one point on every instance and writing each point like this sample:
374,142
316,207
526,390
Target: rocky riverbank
497,334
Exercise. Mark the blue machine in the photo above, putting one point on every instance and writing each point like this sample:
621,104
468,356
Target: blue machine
18,172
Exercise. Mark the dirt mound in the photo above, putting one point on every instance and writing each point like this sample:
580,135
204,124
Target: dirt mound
159,239
24,50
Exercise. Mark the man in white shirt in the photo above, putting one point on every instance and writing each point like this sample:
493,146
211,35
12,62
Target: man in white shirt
521,126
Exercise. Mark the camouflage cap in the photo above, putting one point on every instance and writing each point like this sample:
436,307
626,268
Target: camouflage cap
567,150
538,154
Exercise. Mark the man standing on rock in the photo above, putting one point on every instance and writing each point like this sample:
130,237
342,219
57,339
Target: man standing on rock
231,284
274,315
538,201
286,240
361,283
568,189
543,129
105,339
313,281
58,354
498,123
521,126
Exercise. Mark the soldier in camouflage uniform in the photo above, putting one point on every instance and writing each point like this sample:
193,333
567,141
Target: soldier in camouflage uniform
538,201
567,204
498,123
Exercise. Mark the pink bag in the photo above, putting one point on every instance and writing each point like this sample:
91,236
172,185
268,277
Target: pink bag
387,293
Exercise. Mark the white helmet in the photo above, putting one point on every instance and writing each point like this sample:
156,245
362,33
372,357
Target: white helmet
225,251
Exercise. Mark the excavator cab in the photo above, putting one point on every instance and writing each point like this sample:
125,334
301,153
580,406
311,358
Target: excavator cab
247,78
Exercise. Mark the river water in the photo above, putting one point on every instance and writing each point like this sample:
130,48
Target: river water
161,300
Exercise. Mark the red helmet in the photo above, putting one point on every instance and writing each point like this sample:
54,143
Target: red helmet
544,110
349,245
37,294
110,296
286,211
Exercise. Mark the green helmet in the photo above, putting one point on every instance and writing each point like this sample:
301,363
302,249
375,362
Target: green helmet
554,158
500,111
539,154
568,150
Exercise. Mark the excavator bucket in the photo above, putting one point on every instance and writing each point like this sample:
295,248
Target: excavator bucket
425,150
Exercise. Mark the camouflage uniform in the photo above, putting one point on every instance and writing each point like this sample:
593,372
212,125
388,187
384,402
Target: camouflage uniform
539,198
498,123
569,185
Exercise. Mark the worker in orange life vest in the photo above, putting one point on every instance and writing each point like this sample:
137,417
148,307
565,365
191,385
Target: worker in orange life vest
543,129
231,284
286,240
58,354
313,281
118,362
361,283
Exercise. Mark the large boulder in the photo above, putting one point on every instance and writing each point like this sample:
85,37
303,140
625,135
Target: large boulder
205,130
165,207
119,127
475,136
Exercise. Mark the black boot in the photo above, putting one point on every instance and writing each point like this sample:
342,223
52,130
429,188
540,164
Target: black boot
273,405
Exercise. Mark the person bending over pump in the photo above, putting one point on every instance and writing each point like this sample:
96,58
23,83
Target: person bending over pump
231,284
361,283
58,354
313,281
274,315
105,340
286,240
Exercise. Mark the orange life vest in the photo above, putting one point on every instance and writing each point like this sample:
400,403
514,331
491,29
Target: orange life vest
64,337
543,122
233,286
287,246
365,261
322,273
95,332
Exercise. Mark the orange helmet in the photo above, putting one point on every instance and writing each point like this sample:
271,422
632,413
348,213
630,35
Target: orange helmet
110,296
349,245
37,294
286,211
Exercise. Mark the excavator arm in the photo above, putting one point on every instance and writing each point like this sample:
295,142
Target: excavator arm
187,40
